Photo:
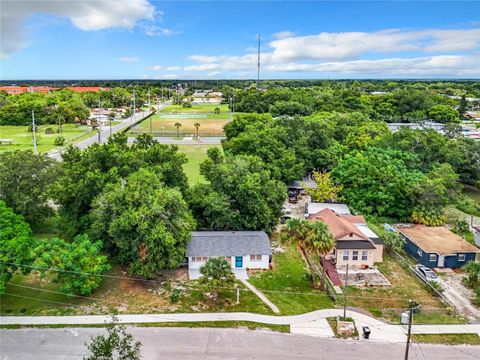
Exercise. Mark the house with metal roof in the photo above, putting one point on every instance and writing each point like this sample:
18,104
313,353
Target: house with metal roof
242,249
355,243
436,246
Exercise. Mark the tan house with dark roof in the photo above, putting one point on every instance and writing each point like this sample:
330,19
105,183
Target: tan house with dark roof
355,244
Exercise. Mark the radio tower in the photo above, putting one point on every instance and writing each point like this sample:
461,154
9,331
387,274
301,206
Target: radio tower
258,62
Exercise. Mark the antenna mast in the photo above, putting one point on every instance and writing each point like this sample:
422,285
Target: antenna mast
258,62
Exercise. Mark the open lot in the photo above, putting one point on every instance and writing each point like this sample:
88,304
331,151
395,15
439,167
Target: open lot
21,139
288,287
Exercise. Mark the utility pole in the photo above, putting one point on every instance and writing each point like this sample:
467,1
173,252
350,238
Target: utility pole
258,62
345,295
410,316
149,98
34,129
100,131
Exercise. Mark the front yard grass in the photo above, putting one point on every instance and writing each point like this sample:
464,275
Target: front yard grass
288,286
447,339
390,302
30,295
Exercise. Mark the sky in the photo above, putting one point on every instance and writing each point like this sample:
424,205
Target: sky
146,39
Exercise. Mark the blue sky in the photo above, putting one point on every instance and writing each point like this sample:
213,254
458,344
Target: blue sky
142,39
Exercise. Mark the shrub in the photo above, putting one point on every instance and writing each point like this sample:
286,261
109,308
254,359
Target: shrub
175,296
49,130
428,217
59,141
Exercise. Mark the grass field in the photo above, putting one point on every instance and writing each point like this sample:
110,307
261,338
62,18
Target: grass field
195,155
23,140
167,125
288,287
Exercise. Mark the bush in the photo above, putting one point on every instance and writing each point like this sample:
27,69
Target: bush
175,296
187,104
59,141
49,130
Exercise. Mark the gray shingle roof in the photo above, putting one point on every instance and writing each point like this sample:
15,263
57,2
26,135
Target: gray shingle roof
228,243
354,244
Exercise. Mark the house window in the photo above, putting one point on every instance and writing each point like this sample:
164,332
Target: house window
419,252
461,257
432,257
204,258
345,255
355,255
229,258
255,257
364,255
197,258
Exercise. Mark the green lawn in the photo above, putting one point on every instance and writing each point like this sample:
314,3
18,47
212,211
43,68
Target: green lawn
447,339
195,155
288,287
23,140
202,108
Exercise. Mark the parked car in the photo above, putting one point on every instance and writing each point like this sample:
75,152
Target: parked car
425,273
292,196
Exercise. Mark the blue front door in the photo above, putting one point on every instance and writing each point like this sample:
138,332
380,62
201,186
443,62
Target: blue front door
238,261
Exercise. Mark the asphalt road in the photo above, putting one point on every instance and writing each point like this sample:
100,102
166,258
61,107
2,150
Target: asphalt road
203,344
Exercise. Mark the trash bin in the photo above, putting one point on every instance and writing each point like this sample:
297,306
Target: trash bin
366,332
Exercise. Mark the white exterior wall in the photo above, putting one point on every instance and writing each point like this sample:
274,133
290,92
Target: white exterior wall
263,264
341,263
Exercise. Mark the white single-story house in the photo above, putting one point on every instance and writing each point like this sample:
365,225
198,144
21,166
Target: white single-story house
243,249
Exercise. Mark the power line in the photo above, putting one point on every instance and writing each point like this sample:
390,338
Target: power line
197,287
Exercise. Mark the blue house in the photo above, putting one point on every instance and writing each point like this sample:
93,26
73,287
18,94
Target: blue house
436,246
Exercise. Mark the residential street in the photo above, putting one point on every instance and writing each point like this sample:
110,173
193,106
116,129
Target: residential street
57,154
188,343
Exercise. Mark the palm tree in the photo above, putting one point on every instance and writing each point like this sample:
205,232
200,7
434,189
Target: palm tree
197,125
310,238
319,240
217,273
177,125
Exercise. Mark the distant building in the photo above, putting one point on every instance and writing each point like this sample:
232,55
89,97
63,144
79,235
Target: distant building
438,127
13,90
436,246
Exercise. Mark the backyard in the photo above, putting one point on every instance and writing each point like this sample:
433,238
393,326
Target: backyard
18,137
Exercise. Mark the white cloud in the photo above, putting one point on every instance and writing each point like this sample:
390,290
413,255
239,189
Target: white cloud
428,52
129,59
157,67
154,30
173,68
87,15
283,35
351,45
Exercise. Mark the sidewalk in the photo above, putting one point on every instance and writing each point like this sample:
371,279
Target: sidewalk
312,323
